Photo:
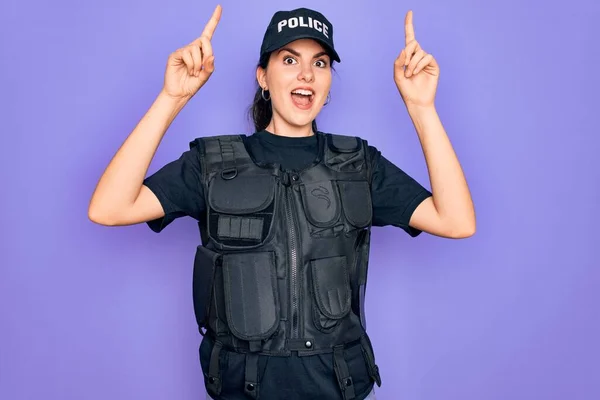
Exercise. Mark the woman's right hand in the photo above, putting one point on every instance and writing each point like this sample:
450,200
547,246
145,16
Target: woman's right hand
189,67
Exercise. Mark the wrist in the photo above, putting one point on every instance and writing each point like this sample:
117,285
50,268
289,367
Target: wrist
168,106
424,118
174,101
418,110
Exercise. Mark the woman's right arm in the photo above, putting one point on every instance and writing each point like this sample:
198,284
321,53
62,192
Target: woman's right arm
120,198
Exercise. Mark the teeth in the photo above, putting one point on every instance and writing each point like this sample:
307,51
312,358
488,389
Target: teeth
303,92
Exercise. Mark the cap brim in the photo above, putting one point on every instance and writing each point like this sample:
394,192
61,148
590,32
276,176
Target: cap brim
334,55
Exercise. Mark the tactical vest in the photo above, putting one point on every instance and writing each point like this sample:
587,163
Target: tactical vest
283,263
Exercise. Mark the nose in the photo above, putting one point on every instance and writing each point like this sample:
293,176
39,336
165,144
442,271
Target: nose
306,73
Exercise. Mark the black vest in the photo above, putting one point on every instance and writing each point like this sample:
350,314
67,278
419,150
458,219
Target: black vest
283,261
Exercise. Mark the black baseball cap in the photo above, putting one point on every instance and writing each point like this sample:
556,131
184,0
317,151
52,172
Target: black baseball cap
301,23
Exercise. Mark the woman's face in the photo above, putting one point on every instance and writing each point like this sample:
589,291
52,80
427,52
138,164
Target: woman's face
298,77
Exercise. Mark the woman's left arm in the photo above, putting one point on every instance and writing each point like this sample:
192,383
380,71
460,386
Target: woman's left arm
450,211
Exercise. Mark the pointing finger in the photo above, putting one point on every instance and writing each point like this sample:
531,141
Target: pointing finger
211,26
409,30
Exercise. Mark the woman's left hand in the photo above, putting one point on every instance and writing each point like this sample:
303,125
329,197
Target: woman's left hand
417,82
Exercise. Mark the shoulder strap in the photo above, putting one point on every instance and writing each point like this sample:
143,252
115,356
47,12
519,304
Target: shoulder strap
346,154
223,154
343,144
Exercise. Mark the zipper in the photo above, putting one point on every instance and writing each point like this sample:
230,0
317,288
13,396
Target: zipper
293,255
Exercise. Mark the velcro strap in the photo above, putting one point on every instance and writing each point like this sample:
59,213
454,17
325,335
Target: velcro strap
234,227
227,158
342,373
373,368
214,371
255,345
251,384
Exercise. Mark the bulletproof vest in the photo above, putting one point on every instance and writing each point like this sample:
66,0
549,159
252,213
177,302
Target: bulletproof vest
283,263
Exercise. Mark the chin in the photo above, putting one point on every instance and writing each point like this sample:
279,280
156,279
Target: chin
303,117
299,121
298,118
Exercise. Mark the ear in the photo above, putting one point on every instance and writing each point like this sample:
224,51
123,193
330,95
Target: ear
261,77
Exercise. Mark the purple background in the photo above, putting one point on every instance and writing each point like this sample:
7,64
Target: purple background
90,312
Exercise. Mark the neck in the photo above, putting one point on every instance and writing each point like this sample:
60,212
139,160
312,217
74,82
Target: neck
278,126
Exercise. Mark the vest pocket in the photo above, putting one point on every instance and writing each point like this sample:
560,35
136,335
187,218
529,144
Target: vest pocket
331,289
356,202
205,263
241,209
251,301
322,207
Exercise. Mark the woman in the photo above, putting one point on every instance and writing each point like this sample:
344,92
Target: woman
285,214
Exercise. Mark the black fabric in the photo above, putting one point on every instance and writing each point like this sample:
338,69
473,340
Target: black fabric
255,314
395,194
214,383
228,159
290,378
306,375
322,206
331,286
359,275
251,383
354,210
241,195
339,148
247,194
240,227
262,220
205,262
370,357
342,373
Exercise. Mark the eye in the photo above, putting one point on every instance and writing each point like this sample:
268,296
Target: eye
323,63
288,58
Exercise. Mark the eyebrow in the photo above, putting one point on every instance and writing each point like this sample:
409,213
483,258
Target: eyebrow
294,52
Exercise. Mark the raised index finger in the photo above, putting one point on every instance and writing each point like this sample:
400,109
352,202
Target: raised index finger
409,29
210,27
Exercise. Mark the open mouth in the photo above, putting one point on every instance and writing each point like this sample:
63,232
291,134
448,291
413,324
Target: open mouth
303,98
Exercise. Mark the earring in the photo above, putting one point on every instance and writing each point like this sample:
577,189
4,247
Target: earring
328,99
263,95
